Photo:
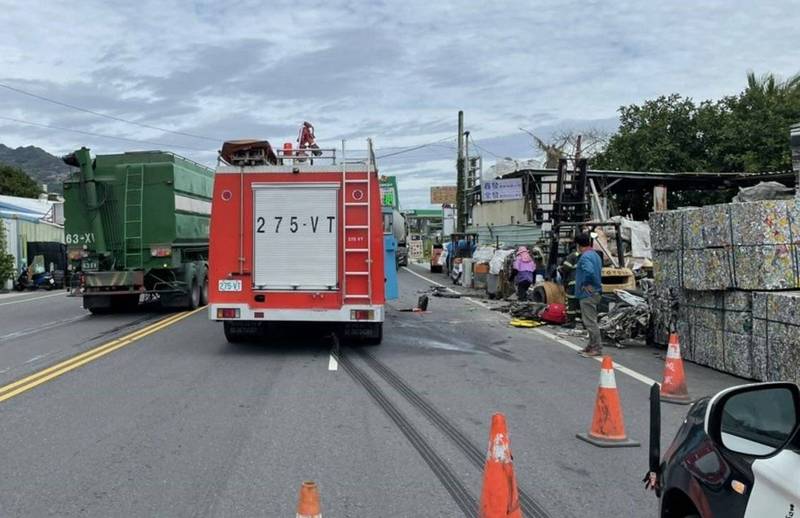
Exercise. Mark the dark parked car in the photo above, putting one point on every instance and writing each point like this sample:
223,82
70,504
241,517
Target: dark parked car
737,455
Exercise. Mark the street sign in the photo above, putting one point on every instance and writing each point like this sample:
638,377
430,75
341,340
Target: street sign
388,186
443,195
497,190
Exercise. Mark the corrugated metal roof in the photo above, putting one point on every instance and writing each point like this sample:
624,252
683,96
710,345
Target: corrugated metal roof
424,213
30,209
521,234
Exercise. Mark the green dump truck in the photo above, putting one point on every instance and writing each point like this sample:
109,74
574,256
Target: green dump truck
136,226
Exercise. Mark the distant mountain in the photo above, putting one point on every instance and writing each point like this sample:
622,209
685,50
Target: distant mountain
40,165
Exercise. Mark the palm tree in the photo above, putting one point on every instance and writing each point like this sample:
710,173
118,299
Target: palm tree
769,85
552,152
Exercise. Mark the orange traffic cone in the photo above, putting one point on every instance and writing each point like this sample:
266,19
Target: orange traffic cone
608,425
308,501
673,388
499,498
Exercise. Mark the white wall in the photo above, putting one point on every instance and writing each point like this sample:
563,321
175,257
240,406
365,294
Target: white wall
499,213
19,232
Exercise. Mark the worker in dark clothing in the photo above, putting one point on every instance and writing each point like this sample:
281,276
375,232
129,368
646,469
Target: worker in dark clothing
567,272
588,290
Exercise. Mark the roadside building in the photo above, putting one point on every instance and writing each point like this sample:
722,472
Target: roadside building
425,222
28,220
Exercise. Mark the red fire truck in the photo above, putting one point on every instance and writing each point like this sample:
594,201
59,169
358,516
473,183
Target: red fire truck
296,236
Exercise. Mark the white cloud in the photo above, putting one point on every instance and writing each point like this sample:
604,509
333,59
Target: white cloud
395,71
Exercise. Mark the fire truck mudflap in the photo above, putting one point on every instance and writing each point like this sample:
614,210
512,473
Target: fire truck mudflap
296,238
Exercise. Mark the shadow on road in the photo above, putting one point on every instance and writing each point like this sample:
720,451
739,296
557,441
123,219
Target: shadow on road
300,339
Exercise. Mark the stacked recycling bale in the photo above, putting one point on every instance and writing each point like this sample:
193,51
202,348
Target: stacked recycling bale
730,270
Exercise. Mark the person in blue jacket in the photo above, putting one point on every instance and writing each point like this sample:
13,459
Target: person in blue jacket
589,292
451,253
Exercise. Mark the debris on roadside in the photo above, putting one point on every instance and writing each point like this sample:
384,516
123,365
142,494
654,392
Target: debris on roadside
526,310
525,323
442,292
627,319
421,307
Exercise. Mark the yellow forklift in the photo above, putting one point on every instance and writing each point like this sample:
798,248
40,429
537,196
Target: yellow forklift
570,216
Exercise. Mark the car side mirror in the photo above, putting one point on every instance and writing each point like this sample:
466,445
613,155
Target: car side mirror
756,420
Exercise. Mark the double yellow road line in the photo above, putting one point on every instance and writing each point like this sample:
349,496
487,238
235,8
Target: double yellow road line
43,376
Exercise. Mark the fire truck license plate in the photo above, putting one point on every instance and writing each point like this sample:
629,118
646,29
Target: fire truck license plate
294,224
230,285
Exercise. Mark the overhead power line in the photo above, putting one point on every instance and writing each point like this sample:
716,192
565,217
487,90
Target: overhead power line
91,134
414,148
483,148
104,115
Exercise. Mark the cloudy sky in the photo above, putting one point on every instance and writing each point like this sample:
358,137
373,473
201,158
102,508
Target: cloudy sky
395,71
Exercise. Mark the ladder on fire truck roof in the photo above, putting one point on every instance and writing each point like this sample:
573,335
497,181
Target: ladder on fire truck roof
357,215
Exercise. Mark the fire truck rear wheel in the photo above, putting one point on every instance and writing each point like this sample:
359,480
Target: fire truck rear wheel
232,332
377,335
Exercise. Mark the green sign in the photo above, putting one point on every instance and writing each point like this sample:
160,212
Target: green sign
389,192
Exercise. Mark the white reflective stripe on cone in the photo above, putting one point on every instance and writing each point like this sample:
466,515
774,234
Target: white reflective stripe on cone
607,379
674,351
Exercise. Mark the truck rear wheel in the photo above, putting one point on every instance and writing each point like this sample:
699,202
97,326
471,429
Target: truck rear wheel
204,290
194,295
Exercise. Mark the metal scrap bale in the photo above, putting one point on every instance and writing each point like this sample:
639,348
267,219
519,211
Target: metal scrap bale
768,222
776,335
716,229
708,318
685,334
781,307
739,354
707,269
759,369
784,354
665,230
765,267
708,347
705,299
738,321
739,300
693,229
738,313
667,268
782,358
759,305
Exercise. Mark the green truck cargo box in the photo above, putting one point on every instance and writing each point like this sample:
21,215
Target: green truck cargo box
145,212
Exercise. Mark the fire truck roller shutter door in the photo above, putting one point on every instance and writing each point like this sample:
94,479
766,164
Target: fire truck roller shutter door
296,236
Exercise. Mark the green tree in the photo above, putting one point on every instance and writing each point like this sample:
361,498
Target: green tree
14,182
747,132
7,267
661,135
754,137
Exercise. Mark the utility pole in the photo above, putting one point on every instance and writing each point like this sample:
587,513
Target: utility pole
460,165
467,180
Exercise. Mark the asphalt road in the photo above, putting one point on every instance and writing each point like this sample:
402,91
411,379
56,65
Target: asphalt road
140,418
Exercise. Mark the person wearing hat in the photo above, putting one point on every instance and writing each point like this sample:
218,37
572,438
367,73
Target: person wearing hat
523,272
589,291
